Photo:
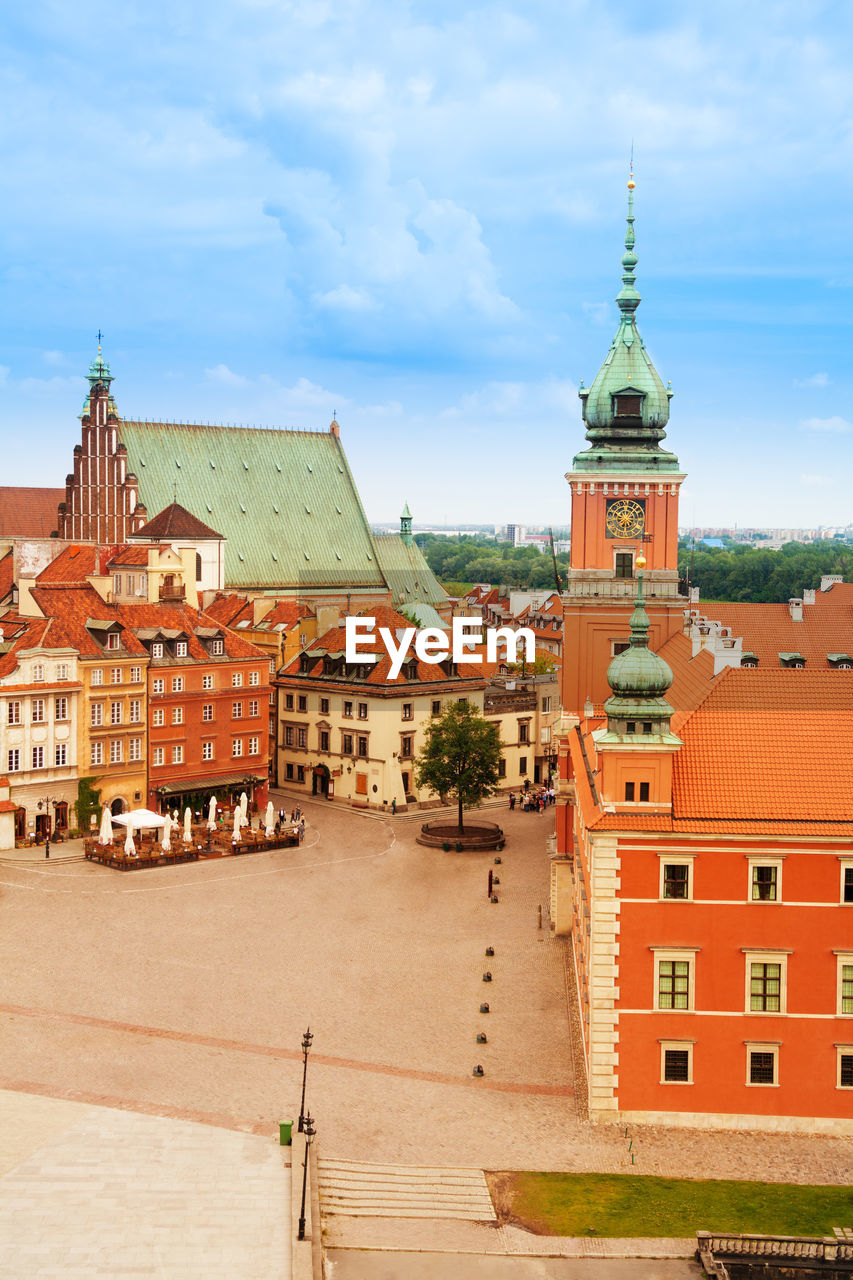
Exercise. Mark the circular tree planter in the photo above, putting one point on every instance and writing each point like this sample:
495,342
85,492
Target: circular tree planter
447,835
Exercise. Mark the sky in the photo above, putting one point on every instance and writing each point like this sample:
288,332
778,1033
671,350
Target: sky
411,214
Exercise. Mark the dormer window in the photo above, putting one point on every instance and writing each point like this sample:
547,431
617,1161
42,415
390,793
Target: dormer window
218,647
627,404
113,640
157,649
181,649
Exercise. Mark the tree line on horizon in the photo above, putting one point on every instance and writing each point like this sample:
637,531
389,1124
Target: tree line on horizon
734,571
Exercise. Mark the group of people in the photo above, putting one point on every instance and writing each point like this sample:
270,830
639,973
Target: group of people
296,819
533,801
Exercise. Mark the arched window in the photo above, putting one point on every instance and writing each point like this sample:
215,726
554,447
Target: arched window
197,567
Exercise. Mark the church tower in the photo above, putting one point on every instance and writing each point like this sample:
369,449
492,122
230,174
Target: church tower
624,489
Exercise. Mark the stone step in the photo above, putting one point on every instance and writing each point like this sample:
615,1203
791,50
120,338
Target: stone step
355,1189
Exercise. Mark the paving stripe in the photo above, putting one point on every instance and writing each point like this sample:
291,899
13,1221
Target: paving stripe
293,1055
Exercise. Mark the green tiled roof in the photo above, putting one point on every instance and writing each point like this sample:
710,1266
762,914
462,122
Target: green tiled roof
285,500
406,571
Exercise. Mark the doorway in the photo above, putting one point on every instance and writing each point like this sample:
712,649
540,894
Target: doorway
320,784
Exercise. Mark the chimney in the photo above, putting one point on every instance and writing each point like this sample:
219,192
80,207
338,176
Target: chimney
829,580
809,595
795,606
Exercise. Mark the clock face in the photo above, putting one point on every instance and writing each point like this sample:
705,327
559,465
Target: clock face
625,518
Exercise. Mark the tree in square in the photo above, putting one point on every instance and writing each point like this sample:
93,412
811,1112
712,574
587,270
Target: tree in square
460,757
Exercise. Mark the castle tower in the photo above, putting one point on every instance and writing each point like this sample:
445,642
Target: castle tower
624,489
406,525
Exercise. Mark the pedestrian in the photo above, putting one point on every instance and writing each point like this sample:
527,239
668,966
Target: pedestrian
281,816
301,828
511,801
394,807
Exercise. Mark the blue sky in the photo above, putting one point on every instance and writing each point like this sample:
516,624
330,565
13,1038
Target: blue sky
412,214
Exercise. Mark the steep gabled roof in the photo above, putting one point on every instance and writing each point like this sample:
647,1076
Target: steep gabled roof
75,564
29,513
769,629
176,522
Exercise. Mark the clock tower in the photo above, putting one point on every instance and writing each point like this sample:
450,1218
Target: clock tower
624,489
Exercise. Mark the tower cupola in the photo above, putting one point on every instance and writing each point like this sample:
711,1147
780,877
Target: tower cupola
638,678
406,525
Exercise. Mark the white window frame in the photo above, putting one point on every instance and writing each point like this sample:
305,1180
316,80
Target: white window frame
236,748
765,862
757,1046
177,715
97,676
844,958
158,717
96,755
38,714
842,1051
846,865
13,714
13,760
135,675
180,648
177,684
207,712
157,756
38,672
134,749
766,957
157,649
677,1046
62,671
158,685
96,715
38,757
218,647
236,711
136,711
681,954
116,751
178,753
116,675
254,677
254,746
60,709
60,754
116,713
253,708
113,640
207,750
207,680
236,679
675,860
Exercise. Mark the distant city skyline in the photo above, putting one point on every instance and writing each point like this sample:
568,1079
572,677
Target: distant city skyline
412,217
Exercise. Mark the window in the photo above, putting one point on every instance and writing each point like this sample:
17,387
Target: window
159,685
408,711
116,754
272,697
115,675
60,754
177,715
644,792
502,768
207,681
97,755
524,732
157,756
117,583
629,791
348,709
302,702
38,710
346,744
324,740
130,584
178,754
181,649
762,1064
764,879
14,713
630,726
628,406
675,880
288,735
254,746
38,672
674,980
324,706
619,646
159,717
676,1063
237,747
288,701
362,711
115,712
218,647
207,751
113,640
546,705
436,708
134,749
135,711
522,766
237,680
97,676
60,708
406,746
288,769
845,1066
272,666
847,882
14,760
97,714
62,671
624,566
253,708
207,711
302,737
300,773
38,757
765,987
177,684
362,747
236,710
157,649
845,985
254,677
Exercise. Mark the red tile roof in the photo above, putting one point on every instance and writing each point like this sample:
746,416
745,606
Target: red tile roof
29,513
36,633
132,554
75,564
175,521
693,678
234,609
769,629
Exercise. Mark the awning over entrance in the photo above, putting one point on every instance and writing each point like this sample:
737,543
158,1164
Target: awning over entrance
210,784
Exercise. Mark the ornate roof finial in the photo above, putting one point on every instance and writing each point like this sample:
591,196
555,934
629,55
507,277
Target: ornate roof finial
628,298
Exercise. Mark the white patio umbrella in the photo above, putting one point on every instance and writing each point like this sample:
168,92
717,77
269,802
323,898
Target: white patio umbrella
129,846
105,835
244,810
211,815
238,813
166,843
140,820
188,820
269,820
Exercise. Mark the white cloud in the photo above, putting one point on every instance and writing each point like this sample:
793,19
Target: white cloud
221,373
836,424
345,299
816,380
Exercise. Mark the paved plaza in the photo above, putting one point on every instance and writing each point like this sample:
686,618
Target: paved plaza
181,994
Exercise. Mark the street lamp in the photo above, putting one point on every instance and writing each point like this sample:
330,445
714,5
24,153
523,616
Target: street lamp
306,1045
309,1134
45,804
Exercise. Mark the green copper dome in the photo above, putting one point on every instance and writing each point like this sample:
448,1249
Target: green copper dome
99,372
627,407
637,676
